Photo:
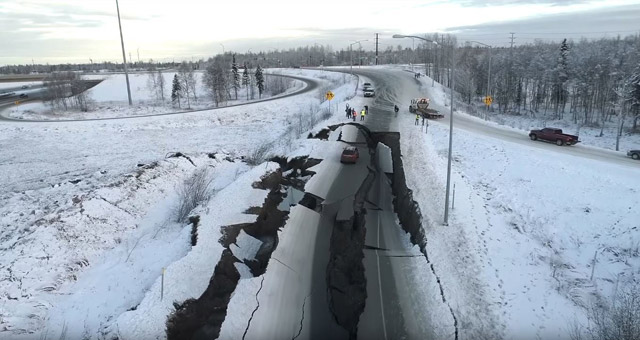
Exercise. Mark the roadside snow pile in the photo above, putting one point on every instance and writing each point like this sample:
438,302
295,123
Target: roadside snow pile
189,277
517,257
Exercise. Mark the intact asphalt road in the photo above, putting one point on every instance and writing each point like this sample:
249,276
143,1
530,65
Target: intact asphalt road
311,85
399,87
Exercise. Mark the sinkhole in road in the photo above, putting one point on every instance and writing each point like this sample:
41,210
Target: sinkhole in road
202,318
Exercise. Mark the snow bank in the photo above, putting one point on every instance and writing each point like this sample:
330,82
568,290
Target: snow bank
188,277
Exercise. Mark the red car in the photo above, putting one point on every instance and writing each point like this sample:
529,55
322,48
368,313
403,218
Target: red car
350,154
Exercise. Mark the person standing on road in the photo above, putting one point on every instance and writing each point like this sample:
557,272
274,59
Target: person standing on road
417,119
353,114
362,114
348,111
366,109
423,119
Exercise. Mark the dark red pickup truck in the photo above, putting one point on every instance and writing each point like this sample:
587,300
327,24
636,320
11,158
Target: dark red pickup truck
554,135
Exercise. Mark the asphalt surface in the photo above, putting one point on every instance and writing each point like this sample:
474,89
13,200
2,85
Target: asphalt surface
4,103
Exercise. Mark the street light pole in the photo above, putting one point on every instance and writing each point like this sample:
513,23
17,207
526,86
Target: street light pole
453,70
222,48
124,57
350,52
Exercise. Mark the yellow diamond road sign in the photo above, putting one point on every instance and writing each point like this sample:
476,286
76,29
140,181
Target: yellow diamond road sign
487,100
329,95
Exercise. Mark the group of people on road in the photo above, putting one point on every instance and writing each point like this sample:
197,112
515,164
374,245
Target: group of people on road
417,75
352,114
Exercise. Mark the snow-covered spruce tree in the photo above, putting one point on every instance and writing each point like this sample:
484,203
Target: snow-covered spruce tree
559,95
245,80
235,81
259,81
176,90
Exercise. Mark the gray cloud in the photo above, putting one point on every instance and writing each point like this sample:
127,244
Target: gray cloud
587,24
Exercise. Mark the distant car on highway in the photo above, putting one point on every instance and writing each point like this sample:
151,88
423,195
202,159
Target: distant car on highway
369,92
554,135
350,154
366,86
23,95
635,154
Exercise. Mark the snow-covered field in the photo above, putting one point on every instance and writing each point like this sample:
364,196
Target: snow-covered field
517,256
109,98
86,210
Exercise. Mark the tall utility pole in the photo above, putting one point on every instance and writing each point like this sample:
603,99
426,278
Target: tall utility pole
453,83
512,39
124,58
376,48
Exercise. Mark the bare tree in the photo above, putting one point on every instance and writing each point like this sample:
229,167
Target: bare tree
216,82
66,90
188,81
156,84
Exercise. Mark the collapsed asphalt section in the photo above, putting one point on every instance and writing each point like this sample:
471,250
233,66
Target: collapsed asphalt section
202,318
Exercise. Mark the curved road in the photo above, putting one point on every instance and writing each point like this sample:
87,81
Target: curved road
399,87
310,86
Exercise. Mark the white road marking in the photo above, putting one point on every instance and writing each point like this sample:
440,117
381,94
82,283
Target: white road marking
384,322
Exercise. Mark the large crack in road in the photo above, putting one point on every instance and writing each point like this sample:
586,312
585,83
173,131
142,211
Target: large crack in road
408,211
202,318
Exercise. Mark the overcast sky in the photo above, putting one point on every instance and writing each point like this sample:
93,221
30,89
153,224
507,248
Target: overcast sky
79,30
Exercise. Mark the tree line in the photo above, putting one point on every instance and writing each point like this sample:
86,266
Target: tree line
220,83
586,81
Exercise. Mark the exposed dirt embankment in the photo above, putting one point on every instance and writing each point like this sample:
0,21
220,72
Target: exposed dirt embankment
405,207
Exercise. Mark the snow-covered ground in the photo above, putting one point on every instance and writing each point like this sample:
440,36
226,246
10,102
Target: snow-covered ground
517,256
82,259
109,98
86,210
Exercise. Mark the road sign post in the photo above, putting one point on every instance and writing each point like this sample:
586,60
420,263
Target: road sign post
487,101
329,95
